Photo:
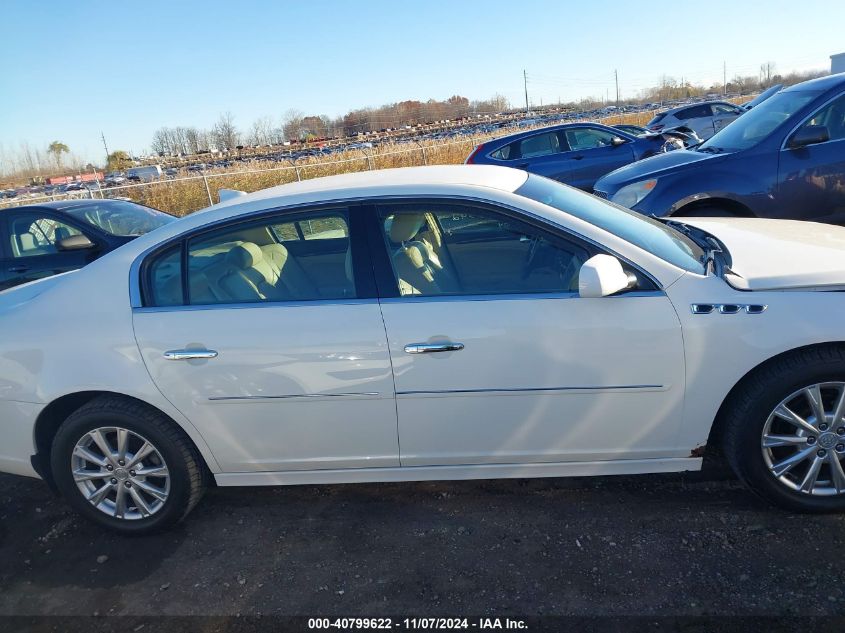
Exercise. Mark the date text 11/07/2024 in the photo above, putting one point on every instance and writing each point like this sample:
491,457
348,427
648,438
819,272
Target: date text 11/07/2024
430,624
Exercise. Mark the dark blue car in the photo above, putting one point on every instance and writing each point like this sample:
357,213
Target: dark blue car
783,159
577,154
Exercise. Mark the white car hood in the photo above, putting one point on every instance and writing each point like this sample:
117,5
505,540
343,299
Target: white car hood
780,254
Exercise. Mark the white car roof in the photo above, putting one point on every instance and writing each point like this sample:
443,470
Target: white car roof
490,176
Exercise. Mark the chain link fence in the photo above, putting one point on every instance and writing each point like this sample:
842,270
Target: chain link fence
186,194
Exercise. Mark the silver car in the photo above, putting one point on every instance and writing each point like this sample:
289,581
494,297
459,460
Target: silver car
705,119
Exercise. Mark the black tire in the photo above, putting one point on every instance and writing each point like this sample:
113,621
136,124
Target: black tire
188,475
746,414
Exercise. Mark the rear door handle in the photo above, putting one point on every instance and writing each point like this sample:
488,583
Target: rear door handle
579,157
18,269
522,166
189,354
430,348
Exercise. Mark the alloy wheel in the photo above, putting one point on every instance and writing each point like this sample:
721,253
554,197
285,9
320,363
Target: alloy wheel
803,440
120,473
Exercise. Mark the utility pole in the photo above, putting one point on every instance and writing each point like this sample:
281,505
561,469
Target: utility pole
106,147
525,84
725,78
616,76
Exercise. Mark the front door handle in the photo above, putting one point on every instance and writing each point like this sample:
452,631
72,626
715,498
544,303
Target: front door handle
18,269
430,348
189,354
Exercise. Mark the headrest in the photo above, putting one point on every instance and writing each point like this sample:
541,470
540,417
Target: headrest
405,226
245,255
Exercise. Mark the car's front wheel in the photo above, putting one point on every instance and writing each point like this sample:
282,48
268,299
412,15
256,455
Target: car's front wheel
126,466
785,431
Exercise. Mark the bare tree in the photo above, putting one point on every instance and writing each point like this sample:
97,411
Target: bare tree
292,125
262,131
226,135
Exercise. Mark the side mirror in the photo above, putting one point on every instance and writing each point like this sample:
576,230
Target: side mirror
616,141
809,135
603,275
74,243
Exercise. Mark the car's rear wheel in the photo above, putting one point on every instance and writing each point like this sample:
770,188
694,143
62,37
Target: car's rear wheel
126,466
785,433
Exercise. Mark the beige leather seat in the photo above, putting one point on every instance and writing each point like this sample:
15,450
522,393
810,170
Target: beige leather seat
260,273
416,263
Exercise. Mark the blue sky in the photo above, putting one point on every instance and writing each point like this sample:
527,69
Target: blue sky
72,69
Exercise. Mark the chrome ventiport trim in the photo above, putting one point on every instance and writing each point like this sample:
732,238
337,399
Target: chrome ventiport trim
728,308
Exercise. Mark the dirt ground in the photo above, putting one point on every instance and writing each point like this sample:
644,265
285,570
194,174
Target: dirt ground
667,545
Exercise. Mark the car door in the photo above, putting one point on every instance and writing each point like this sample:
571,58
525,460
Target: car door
496,358
33,246
273,345
723,114
811,179
594,154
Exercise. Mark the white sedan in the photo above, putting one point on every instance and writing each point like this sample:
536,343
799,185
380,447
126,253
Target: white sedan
427,323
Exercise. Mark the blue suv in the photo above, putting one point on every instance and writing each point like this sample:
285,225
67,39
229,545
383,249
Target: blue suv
577,154
783,159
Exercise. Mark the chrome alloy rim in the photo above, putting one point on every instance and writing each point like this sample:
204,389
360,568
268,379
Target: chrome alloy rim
120,473
803,440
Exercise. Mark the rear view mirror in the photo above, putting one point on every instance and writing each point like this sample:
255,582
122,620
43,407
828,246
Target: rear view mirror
603,275
616,141
74,243
809,135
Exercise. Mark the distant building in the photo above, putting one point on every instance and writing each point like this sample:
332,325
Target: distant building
837,63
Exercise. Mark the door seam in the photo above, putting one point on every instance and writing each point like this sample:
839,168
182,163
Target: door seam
393,378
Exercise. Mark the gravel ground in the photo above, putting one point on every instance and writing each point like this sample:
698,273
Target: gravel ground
650,545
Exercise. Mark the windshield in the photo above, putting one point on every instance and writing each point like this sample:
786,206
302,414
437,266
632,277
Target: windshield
121,218
642,231
756,124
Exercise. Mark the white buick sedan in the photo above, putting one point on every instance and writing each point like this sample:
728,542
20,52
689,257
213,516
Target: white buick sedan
427,323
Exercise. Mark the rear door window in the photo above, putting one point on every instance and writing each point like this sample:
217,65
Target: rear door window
695,112
539,145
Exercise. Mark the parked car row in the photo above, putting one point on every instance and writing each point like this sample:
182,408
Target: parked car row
783,156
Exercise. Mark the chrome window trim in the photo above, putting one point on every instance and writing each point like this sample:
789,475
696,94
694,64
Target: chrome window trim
516,296
136,302
807,118
252,305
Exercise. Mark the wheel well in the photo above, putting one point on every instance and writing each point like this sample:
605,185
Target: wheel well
714,441
732,206
54,414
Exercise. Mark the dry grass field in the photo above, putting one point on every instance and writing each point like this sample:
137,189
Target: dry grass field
186,195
